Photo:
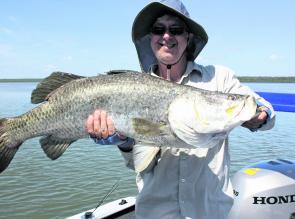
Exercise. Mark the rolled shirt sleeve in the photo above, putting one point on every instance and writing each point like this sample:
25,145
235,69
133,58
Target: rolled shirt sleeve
233,85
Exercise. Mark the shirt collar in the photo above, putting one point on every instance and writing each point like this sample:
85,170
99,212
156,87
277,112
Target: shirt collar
191,67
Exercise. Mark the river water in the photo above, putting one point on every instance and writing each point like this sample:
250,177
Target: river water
35,187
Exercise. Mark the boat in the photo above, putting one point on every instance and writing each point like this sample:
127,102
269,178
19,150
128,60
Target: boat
264,189
120,208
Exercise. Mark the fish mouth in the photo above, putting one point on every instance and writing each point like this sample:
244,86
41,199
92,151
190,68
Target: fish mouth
245,110
251,106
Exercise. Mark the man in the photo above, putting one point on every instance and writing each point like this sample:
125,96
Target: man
173,182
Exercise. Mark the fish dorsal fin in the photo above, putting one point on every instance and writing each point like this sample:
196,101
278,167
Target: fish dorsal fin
54,147
113,72
48,85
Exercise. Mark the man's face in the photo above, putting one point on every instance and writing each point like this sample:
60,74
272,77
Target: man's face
168,47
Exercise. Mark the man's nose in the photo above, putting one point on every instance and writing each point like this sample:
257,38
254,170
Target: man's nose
167,35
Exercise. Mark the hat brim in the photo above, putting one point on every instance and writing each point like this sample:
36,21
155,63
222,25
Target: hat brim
148,15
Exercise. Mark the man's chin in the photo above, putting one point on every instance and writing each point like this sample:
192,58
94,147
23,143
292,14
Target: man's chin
167,60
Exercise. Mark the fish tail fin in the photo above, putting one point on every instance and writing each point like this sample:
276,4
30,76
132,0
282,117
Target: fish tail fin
7,147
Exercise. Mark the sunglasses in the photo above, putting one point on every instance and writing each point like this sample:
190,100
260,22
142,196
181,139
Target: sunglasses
160,30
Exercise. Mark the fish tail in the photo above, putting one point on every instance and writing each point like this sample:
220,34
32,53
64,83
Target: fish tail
8,148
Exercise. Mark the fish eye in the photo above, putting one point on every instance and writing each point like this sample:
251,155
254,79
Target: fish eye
232,97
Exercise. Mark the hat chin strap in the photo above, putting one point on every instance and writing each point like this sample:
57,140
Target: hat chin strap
169,66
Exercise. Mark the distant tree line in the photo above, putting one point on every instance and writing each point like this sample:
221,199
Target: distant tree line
17,80
264,79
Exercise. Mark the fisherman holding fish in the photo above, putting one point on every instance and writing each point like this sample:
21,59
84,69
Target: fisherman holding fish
178,182
171,122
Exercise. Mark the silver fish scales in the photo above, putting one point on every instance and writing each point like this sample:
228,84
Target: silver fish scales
143,107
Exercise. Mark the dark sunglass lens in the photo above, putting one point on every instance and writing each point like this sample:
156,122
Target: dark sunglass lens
176,30
158,30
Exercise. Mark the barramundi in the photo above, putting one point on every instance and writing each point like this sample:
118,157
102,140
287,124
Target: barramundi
143,107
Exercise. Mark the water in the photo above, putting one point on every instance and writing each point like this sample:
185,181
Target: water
35,187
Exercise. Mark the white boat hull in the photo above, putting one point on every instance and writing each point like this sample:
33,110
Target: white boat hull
121,208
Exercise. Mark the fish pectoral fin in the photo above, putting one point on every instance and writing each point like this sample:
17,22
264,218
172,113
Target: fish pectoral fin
54,147
149,128
47,86
143,156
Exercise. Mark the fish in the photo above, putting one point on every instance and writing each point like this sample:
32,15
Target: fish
149,109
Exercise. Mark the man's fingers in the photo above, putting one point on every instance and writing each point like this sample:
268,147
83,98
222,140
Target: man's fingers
110,125
96,123
262,116
257,121
103,124
100,125
89,125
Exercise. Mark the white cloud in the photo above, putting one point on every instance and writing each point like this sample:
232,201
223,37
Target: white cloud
275,57
68,58
6,30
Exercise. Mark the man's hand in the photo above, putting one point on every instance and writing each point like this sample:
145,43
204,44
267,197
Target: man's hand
100,125
257,121
101,128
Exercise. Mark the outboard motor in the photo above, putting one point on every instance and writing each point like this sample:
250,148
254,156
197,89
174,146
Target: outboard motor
265,190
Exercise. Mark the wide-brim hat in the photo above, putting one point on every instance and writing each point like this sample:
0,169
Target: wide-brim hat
148,15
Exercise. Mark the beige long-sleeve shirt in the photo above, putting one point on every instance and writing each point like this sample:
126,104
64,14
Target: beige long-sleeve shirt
189,183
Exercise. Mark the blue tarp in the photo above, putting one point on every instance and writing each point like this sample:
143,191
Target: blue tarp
283,102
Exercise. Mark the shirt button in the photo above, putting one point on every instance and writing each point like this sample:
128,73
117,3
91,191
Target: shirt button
182,180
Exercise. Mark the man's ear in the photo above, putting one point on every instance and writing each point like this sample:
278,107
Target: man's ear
190,48
189,38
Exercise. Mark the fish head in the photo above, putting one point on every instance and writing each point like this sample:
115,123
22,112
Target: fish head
218,112
210,112
202,119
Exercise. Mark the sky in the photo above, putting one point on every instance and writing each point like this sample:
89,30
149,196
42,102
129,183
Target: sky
88,37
